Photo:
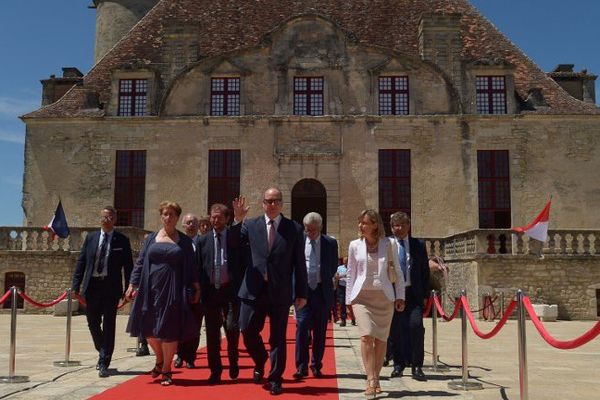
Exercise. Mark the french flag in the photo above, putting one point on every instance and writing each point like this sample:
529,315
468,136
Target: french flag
538,228
58,224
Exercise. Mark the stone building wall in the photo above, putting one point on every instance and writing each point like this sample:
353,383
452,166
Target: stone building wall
568,281
548,156
47,274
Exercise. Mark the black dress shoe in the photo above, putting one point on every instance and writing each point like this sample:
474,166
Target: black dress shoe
142,351
97,365
316,372
353,322
178,362
214,378
418,375
275,388
102,371
299,374
397,372
190,365
258,374
234,371
386,362
343,323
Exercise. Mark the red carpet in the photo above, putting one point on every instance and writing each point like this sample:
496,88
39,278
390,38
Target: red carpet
192,384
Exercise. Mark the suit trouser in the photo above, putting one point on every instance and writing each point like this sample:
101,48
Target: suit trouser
252,321
101,314
222,308
407,334
186,350
312,318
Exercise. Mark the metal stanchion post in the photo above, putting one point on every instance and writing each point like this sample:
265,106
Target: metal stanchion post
501,304
66,362
434,316
12,378
523,385
464,383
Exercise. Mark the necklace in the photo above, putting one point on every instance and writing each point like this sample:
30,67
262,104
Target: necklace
372,248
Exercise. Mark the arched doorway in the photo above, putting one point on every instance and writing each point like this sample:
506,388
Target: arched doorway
14,279
309,195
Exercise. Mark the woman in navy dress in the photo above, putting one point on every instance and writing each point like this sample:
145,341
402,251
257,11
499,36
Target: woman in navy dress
166,280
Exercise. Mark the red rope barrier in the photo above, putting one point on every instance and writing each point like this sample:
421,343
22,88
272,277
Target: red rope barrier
43,305
457,306
560,344
427,308
6,296
499,325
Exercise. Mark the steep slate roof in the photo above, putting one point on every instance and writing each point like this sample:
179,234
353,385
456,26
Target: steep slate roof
226,25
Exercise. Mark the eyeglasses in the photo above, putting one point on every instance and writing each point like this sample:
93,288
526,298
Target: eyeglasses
271,201
106,218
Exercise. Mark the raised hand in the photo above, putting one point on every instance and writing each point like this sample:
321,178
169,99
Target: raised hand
240,210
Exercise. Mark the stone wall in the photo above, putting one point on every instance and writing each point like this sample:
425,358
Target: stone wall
47,274
568,281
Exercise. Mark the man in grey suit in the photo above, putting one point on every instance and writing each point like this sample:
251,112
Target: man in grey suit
275,277
321,259
105,261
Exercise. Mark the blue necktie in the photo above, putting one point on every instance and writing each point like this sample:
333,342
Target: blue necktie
312,266
402,257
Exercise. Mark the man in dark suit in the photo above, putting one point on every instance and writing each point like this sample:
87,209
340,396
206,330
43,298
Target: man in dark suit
104,261
220,279
321,259
186,350
275,277
407,333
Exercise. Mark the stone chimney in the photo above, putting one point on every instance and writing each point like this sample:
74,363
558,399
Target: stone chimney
440,42
580,85
54,88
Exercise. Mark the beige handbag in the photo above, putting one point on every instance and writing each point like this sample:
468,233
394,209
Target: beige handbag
391,269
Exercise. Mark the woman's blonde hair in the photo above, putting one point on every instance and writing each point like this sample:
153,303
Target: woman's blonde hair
375,218
169,204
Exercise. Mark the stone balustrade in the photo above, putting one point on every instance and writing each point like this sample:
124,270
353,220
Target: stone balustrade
18,238
504,241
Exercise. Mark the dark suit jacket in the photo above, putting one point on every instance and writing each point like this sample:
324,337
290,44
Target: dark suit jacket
206,255
284,264
419,268
329,264
120,263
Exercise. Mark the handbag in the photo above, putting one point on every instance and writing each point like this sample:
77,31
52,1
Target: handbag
391,269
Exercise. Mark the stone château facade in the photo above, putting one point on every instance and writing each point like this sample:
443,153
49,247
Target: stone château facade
416,105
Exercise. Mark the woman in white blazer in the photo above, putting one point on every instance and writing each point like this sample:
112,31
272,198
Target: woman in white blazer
371,264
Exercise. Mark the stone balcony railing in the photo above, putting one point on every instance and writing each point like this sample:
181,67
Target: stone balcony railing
18,238
503,241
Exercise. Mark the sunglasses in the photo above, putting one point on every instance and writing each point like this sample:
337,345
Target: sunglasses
271,201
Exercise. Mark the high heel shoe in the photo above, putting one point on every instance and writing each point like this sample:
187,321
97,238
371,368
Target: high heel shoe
370,391
377,386
157,370
167,379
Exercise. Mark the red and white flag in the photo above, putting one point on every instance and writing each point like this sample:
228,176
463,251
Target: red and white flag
538,228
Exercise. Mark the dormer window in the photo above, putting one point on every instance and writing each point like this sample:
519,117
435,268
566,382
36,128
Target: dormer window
491,94
225,96
393,95
133,96
308,96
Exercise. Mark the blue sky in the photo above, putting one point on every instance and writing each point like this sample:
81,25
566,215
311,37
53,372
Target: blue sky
39,37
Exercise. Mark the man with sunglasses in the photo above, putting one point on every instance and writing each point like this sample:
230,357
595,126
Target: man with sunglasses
104,261
275,277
